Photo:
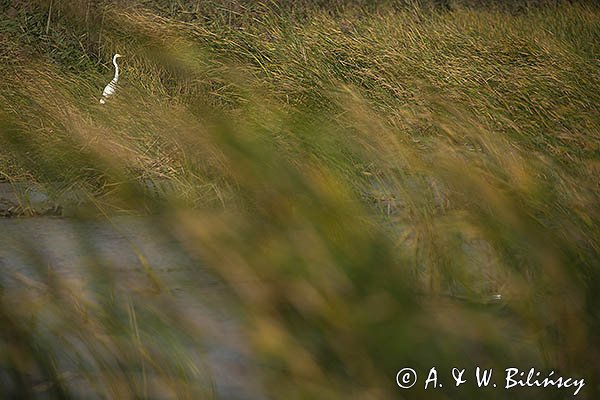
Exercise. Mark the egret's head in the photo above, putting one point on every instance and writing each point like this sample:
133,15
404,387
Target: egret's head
118,55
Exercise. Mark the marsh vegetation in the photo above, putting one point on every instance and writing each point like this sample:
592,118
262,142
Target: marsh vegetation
360,178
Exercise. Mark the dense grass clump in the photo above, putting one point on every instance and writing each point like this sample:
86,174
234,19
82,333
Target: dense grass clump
363,178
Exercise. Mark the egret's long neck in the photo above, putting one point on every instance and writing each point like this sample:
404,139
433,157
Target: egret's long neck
116,78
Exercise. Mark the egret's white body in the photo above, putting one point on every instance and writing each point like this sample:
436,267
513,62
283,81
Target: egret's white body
109,90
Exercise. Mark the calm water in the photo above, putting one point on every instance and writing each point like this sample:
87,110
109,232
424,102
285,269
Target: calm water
32,248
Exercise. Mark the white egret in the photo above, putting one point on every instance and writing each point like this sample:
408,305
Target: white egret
109,90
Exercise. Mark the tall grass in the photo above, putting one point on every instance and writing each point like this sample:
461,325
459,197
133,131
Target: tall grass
362,180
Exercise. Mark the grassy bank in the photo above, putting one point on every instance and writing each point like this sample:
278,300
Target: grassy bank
358,162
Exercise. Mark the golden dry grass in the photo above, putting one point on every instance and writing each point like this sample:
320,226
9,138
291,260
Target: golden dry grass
346,174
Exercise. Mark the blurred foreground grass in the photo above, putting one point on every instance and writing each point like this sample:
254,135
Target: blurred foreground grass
372,175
